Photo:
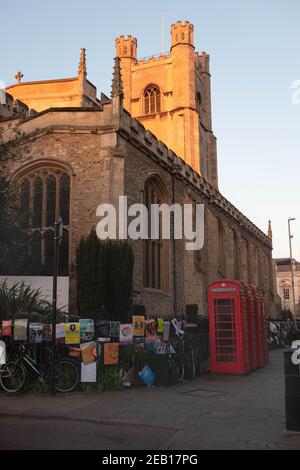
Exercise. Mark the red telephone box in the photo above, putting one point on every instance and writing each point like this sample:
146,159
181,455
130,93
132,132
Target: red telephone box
228,325
251,325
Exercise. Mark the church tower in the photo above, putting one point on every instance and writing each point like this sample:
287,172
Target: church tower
170,95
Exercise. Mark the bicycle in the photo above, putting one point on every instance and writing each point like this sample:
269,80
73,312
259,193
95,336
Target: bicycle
14,374
177,344
190,358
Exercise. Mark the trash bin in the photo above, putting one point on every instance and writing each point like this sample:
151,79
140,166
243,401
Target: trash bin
292,392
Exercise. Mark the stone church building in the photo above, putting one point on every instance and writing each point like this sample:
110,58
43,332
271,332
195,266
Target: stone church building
151,141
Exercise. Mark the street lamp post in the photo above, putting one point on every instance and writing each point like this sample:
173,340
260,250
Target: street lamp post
58,226
290,219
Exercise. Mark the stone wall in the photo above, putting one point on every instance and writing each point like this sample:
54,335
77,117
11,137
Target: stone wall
107,153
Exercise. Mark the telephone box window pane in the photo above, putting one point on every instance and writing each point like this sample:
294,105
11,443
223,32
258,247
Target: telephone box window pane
224,316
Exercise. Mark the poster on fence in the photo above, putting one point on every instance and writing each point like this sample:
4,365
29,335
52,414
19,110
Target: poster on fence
2,353
47,332
35,332
166,333
114,329
150,329
138,325
21,330
139,342
72,333
87,330
160,325
126,333
60,331
88,352
6,328
89,372
102,328
111,354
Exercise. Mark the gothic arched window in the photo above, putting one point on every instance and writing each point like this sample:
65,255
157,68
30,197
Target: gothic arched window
156,252
45,195
152,98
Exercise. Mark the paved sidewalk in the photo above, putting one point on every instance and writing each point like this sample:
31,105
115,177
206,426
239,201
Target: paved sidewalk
212,412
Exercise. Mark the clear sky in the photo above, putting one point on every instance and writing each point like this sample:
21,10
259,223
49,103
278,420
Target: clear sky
255,58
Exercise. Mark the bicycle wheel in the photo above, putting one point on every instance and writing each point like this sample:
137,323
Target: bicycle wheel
13,377
66,376
179,364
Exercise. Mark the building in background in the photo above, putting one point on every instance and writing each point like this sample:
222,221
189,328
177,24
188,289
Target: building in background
284,283
152,141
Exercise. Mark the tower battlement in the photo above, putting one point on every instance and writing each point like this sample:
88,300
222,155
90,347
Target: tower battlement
126,46
182,33
170,94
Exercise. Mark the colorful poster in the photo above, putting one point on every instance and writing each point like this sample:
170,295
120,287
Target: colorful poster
47,332
147,375
138,325
60,330
177,326
102,328
87,330
150,329
166,333
126,333
114,329
160,325
6,328
111,354
35,332
72,333
89,372
139,342
21,330
149,344
2,353
88,352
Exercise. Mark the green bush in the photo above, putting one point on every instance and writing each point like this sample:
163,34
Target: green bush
104,277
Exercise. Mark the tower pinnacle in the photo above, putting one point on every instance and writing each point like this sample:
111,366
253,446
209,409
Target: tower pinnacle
82,69
270,233
117,87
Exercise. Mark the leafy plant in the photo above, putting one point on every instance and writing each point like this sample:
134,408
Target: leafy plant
22,301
